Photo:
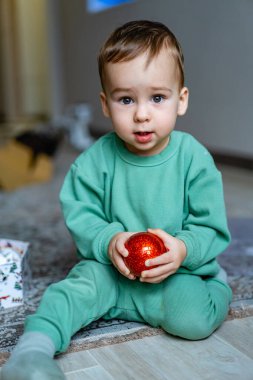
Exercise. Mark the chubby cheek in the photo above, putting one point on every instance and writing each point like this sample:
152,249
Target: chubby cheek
166,122
121,123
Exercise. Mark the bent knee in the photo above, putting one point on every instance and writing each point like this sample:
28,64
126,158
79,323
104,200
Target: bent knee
194,308
190,328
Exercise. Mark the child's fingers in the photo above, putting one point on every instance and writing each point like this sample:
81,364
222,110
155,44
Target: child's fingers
156,275
122,268
166,238
122,250
126,272
120,246
165,258
120,264
131,276
154,280
161,270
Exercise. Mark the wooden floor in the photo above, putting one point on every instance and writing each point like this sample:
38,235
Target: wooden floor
226,355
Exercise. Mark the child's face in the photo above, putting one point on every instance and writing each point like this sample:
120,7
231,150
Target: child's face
143,101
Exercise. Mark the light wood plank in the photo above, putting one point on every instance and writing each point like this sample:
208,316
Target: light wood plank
76,361
168,357
123,363
94,373
238,333
207,359
226,355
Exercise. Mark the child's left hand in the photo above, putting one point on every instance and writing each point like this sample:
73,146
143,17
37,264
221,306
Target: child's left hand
169,262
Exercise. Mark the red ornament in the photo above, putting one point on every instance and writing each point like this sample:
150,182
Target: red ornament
141,247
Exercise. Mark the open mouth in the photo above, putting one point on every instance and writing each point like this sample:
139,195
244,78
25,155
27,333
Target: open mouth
143,137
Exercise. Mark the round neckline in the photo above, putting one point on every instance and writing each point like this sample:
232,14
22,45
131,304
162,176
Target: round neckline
153,160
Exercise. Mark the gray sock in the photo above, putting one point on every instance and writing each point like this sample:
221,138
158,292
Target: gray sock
32,359
31,341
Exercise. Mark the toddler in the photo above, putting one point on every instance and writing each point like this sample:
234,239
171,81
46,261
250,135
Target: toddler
142,176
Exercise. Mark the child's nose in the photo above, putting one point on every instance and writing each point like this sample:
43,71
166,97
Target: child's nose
142,113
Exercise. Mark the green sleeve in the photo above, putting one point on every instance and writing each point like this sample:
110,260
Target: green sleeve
82,201
204,230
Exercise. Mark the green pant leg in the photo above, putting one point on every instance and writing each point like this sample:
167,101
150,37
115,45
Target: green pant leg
183,305
85,295
195,306
137,301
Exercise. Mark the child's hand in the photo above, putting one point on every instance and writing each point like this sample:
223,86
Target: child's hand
117,252
169,262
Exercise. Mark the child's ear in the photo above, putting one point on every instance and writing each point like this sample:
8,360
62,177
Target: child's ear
183,101
104,104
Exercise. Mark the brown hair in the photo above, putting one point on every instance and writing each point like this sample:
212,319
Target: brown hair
136,37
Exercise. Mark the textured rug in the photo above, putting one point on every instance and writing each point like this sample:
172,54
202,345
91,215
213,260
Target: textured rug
32,214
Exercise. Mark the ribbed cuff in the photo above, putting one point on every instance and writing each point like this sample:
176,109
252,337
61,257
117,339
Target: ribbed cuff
193,255
103,240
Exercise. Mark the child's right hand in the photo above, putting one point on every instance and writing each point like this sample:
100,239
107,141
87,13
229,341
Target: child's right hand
117,252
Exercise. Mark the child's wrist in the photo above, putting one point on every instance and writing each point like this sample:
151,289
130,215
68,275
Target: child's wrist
182,249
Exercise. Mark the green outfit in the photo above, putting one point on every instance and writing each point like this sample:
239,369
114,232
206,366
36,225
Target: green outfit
109,190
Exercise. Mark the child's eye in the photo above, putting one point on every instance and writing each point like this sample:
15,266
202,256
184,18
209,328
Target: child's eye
126,100
157,98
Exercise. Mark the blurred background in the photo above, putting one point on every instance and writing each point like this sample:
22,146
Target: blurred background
50,112
49,81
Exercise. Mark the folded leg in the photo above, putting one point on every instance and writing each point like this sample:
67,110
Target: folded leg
183,305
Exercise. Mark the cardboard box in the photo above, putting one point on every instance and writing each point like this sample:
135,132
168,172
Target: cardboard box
18,167
15,274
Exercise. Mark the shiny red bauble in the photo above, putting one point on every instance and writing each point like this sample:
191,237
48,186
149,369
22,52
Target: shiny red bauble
141,247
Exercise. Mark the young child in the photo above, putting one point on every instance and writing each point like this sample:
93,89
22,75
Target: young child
142,176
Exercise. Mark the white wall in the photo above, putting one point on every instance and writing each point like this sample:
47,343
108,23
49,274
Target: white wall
216,36
34,57
26,58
